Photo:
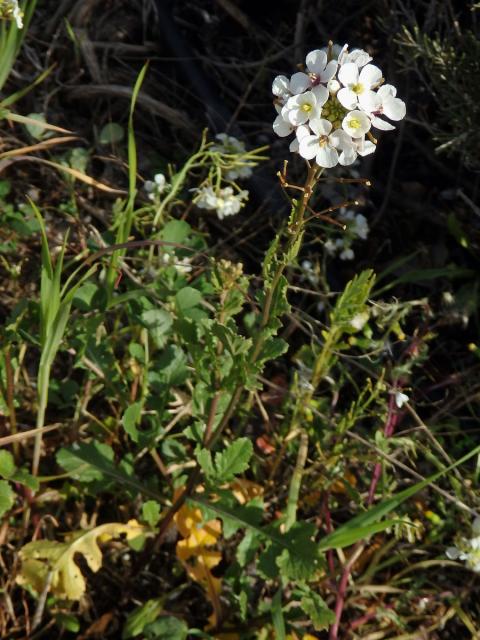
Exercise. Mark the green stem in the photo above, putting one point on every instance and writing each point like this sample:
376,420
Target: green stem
43,379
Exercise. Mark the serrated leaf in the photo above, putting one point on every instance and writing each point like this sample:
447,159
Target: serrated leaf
204,459
54,561
317,610
353,299
151,512
7,497
7,464
233,460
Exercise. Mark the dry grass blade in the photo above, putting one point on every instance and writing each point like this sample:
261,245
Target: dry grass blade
72,172
40,146
25,435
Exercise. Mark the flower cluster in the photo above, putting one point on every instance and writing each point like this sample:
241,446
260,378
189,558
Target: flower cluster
224,201
332,106
156,187
468,549
356,228
10,10
240,168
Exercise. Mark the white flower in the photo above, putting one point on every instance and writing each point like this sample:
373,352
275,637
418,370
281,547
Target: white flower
356,123
156,186
310,273
347,254
282,127
325,145
182,265
301,132
358,223
401,399
357,85
306,106
228,144
468,549
384,102
224,201
319,69
357,56
283,88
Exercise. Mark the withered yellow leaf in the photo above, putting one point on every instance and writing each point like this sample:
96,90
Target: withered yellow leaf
51,564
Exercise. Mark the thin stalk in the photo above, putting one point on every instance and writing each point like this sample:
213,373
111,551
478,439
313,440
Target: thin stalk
10,398
296,482
44,378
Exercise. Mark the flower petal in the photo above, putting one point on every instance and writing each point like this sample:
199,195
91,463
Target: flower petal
320,126
394,108
347,156
347,98
309,147
316,61
387,90
370,75
356,124
348,74
383,125
280,86
281,127
321,94
297,116
299,82
370,101
327,157
330,71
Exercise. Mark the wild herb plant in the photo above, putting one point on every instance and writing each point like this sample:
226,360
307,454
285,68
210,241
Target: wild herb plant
153,352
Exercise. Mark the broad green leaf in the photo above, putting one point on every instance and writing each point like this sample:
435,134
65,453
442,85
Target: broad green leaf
111,133
187,298
24,477
166,628
7,497
37,131
7,464
131,419
175,231
86,461
158,323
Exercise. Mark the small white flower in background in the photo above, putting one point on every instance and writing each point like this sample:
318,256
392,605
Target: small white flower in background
468,549
224,201
229,145
182,265
310,273
356,229
155,187
401,399
343,88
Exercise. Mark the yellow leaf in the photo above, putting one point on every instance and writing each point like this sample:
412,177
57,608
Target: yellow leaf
51,564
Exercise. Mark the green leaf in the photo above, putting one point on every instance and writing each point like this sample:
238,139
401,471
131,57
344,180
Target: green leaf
7,464
37,131
151,512
317,610
158,323
84,296
175,231
141,617
277,616
233,460
7,497
131,419
167,628
111,133
24,477
81,461
187,298
353,299
204,459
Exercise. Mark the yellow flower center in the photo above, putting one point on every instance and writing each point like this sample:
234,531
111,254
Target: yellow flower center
306,107
358,88
354,123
